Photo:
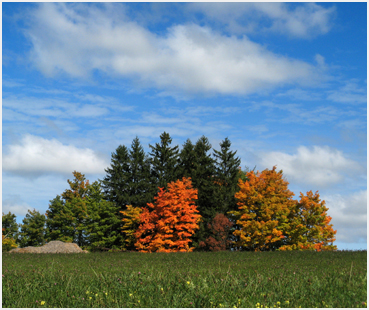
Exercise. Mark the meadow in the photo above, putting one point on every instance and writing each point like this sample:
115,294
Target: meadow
185,280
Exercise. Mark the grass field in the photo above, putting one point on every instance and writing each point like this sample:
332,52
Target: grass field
186,280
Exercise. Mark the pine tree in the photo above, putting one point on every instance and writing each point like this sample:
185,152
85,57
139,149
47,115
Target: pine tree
164,161
226,177
32,231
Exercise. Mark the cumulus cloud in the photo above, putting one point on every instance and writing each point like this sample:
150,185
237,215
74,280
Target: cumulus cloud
302,21
187,58
349,216
36,156
15,205
320,166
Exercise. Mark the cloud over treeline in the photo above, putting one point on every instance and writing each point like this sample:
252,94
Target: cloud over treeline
78,39
320,166
37,156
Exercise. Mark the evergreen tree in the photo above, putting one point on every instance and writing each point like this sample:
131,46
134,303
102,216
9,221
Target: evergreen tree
118,174
187,158
226,177
58,221
164,161
67,215
103,226
142,190
32,231
203,180
10,226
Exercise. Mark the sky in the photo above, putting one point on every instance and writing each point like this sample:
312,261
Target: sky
285,82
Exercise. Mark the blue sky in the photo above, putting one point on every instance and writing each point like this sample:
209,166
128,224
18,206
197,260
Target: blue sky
285,82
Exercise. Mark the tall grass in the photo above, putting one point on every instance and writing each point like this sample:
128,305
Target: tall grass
200,279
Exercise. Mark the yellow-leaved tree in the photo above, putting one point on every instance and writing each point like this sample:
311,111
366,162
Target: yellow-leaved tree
131,220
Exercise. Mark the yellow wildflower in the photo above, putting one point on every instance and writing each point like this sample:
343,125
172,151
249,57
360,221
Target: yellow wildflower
42,303
130,295
87,292
90,297
188,282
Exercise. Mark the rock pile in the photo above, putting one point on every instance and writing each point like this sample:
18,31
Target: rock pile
51,247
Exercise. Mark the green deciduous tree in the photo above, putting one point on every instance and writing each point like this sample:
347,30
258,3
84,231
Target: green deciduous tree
33,229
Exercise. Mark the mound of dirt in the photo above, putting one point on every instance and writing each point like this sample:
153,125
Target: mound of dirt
51,247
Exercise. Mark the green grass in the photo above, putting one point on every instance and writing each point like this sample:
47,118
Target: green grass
220,279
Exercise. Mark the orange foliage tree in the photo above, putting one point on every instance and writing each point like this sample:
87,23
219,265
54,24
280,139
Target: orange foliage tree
264,204
310,228
172,220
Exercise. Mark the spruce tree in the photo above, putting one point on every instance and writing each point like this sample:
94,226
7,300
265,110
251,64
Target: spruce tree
141,188
187,159
227,167
203,180
118,174
164,161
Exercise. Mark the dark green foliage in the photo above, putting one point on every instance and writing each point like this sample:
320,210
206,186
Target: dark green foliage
103,227
115,183
10,226
142,189
202,179
32,231
187,159
58,220
164,161
83,216
226,177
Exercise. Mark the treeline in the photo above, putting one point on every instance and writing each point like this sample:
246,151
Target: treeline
196,198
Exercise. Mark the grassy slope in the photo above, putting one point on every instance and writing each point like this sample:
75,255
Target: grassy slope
223,279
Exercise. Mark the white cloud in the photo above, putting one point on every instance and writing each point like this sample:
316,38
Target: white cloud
188,58
349,216
15,205
36,156
351,92
319,166
303,21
